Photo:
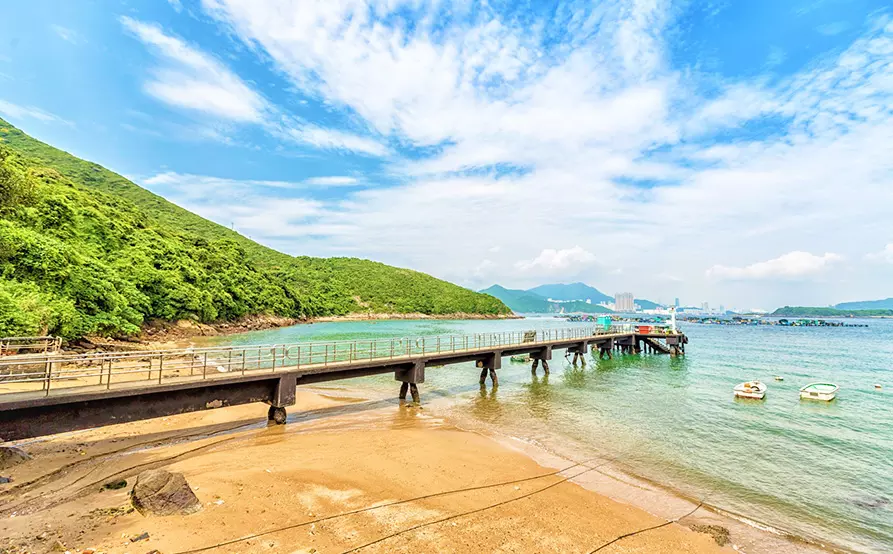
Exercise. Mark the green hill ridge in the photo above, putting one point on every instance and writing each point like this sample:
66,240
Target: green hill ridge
84,251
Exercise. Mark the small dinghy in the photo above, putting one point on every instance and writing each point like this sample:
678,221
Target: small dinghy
819,391
751,389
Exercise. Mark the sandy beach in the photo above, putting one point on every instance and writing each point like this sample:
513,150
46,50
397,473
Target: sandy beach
344,475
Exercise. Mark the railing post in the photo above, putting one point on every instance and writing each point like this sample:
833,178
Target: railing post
160,367
243,360
274,358
205,367
49,375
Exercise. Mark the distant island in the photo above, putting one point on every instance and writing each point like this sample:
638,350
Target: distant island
806,311
559,298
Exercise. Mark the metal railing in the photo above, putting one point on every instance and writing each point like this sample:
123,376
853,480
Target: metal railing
21,345
104,370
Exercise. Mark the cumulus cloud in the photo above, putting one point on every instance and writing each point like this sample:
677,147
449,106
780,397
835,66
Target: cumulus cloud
793,265
557,261
884,256
582,129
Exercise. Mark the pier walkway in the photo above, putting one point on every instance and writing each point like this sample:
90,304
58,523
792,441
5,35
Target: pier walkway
48,393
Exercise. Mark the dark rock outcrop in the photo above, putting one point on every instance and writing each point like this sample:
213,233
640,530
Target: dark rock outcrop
162,493
12,455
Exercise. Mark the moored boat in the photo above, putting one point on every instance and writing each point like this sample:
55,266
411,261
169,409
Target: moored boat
819,391
521,358
751,389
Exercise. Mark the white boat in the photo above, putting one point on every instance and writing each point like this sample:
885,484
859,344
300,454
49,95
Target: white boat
819,391
751,389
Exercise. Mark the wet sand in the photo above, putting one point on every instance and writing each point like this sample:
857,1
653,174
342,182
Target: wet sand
269,488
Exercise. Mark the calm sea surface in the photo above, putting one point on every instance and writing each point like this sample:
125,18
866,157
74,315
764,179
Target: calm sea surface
823,471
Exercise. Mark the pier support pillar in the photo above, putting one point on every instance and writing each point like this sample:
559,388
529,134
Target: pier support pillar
413,390
544,356
489,364
535,365
411,376
284,394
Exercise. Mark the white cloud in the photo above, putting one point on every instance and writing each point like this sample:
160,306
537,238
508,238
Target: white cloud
264,210
884,256
793,265
176,5
835,28
551,261
336,140
577,108
194,80
333,181
66,34
15,111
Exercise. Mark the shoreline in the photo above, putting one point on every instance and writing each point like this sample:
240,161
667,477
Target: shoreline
156,334
328,415
247,480
659,499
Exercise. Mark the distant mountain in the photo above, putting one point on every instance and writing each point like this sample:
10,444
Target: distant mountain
582,291
573,291
519,300
647,304
522,301
886,304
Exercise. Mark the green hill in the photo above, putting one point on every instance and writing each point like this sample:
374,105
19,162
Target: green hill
84,251
522,301
886,304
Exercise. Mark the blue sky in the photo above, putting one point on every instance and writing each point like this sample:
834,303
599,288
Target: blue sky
724,151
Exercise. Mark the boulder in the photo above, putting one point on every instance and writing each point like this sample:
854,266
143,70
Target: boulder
162,493
12,455
719,533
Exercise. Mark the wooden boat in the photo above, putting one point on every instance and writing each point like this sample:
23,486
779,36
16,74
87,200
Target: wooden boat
751,389
521,359
819,391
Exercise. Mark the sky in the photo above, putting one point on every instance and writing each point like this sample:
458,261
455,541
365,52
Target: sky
736,152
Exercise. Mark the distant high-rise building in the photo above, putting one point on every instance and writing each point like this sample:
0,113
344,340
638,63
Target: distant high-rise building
722,309
677,302
705,306
624,302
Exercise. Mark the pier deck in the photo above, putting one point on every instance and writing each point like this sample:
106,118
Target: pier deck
53,393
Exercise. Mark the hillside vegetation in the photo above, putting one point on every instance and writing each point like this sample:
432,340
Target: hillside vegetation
84,251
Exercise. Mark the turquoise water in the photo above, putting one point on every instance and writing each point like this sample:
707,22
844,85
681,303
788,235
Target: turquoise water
823,471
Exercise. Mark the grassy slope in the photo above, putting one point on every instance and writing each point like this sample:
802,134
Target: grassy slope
161,261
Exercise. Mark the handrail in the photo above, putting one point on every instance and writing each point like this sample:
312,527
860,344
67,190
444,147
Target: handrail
67,371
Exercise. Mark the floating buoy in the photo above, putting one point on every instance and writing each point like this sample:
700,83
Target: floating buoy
877,386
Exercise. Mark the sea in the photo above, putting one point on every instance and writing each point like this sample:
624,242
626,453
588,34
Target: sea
822,471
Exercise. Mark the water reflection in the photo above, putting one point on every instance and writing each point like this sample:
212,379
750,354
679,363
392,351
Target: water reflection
486,405
539,396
